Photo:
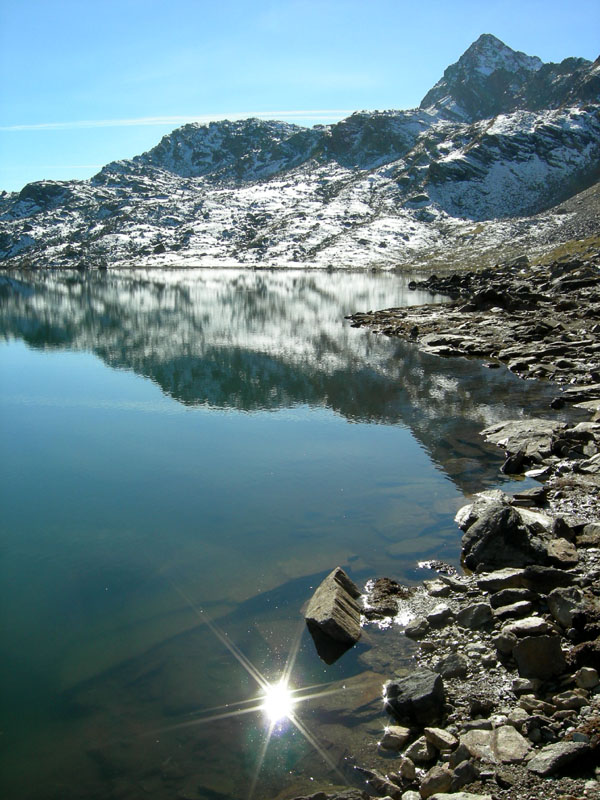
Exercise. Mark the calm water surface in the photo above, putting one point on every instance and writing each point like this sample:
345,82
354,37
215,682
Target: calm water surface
206,445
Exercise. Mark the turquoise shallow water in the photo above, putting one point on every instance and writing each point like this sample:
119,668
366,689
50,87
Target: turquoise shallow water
183,446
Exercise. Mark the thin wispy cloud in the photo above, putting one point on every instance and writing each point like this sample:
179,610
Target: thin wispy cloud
321,114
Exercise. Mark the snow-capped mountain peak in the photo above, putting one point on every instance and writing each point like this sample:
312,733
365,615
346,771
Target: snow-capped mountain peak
499,138
488,54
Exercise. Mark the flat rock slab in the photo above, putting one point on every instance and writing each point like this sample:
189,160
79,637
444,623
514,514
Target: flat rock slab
334,610
503,745
530,436
554,757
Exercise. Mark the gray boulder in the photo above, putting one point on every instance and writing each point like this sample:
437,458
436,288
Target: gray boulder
418,698
531,437
566,605
499,539
503,745
554,757
454,665
539,657
333,609
475,616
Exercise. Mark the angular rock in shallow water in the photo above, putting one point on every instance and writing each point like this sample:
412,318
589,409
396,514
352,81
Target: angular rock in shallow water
333,609
418,698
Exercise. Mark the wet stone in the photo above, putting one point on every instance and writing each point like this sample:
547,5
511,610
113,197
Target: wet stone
333,609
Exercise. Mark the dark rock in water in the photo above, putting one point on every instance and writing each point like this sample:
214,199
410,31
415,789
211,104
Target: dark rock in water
514,464
333,609
419,698
500,538
539,657
555,757
383,597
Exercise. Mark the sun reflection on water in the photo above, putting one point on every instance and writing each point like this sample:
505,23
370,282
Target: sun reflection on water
278,702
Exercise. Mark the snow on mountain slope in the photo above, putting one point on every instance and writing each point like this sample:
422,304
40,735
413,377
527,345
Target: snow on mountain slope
376,189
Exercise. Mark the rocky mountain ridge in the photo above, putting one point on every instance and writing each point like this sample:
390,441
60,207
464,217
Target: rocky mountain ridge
500,138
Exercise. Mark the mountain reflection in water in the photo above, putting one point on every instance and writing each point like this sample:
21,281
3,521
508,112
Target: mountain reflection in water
234,492
254,340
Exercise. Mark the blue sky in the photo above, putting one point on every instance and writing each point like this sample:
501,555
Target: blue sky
88,81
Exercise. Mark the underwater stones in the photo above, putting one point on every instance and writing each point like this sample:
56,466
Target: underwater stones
418,698
333,609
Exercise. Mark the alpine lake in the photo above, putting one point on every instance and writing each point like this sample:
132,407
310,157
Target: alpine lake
186,454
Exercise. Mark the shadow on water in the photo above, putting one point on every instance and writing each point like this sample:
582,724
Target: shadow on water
212,440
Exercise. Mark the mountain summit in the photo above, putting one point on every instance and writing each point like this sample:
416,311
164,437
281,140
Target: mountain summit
490,79
499,139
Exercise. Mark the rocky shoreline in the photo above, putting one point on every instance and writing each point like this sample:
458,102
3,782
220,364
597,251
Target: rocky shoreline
504,699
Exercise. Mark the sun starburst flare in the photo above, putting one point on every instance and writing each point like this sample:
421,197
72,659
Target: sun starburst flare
277,701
